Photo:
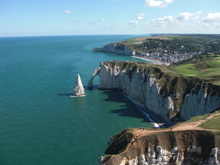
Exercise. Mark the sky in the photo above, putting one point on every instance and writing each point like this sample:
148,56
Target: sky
93,17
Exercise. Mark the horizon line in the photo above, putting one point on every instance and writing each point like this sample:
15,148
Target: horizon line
107,34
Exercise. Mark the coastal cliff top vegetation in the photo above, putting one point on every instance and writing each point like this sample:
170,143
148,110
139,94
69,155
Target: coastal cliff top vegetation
203,66
174,78
200,131
179,43
207,121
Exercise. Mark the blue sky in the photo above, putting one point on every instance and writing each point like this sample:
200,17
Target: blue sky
83,17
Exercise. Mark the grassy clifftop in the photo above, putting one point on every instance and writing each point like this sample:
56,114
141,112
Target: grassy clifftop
206,67
184,136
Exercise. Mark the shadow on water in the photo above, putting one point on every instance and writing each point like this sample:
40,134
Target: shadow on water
95,87
65,94
130,109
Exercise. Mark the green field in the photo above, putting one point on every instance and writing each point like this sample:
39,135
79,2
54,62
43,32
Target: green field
212,124
204,67
187,70
209,124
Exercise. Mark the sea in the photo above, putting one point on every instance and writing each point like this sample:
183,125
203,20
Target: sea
40,124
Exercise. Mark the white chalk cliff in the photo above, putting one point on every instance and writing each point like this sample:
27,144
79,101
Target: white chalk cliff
115,48
79,89
169,96
176,156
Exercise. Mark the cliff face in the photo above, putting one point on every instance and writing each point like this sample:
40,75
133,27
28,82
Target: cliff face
173,97
179,147
115,48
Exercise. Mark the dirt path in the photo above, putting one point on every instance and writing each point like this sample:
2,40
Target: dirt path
140,132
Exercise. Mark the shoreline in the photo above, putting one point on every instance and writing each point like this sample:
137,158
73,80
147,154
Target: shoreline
156,120
154,61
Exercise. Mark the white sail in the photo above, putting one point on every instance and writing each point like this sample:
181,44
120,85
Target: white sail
79,89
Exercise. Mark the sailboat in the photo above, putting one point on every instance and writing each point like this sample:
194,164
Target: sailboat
79,89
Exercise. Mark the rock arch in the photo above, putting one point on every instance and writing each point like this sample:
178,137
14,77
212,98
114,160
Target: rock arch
96,72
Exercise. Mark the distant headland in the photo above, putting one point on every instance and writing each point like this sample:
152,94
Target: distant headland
165,49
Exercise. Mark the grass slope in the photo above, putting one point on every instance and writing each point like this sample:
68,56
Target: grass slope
214,123
207,66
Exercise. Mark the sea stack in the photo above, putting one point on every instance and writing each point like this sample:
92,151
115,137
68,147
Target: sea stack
79,89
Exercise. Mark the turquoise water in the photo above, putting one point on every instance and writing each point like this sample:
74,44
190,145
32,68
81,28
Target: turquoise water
39,122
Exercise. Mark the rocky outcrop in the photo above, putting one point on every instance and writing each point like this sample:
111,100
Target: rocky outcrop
95,73
172,97
79,89
176,156
185,147
116,48
180,147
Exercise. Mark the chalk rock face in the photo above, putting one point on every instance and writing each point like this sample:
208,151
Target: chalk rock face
169,96
176,156
79,89
199,103
213,159
116,48
164,148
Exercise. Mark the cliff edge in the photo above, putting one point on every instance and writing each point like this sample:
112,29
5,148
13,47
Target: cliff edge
172,96
186,143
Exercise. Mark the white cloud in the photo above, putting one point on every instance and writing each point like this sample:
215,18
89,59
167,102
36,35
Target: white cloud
141,16
180,20
155,3
136,21
187,22
163,21
212,17
103,20
188,16
68,12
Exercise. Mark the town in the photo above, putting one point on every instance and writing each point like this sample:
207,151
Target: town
173,49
